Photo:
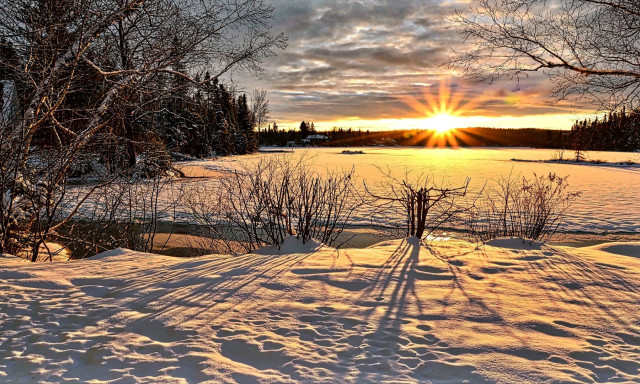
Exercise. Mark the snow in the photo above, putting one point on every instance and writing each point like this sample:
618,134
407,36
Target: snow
291,245
111,254
398,311
9,256
626,249
515,243
7,101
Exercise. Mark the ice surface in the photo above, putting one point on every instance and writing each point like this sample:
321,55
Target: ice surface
609,202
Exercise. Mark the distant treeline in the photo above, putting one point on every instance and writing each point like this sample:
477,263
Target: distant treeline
616,131
464,137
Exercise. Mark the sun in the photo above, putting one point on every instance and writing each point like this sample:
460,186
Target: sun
442,122
443,111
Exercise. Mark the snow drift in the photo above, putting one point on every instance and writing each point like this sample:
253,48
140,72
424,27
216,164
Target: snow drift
394,312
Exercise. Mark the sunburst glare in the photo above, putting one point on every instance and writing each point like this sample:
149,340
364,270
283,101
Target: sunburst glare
443,112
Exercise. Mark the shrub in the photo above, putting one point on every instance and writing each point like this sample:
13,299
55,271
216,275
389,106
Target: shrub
270,199
531,208
424,205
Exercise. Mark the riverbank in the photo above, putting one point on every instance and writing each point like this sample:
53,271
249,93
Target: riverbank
180,240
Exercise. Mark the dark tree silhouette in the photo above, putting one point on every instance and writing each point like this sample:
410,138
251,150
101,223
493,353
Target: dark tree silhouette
304,130
616,131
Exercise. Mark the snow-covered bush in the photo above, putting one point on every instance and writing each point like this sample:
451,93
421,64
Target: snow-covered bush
89,166
531,208
152,162
29,195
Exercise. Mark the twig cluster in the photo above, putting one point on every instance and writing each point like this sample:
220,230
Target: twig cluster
271,199
520,207
424,205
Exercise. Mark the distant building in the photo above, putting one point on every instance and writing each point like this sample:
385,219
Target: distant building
314,139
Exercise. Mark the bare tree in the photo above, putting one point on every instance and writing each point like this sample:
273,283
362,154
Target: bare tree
588,47
260,108
424,205
111,52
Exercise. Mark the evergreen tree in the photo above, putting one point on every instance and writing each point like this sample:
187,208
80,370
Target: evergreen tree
246,125
224,129
304,130
616,131
8,60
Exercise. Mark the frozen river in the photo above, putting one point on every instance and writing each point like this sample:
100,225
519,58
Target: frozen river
610,195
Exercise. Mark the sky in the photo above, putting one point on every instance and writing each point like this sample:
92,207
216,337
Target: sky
378,64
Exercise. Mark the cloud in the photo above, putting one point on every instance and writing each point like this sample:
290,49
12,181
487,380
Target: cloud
363,59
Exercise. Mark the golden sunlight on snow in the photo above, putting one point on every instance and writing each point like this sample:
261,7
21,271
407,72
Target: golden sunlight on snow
394,312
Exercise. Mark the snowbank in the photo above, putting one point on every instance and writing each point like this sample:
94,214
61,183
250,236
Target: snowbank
515,243
10,257
626,249
396,312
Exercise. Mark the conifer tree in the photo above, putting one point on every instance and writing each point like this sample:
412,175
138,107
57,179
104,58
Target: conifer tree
304,130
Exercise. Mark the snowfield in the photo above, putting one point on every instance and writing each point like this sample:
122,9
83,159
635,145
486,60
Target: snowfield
398,311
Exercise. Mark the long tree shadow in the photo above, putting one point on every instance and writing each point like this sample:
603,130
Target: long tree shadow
457,285
197,282
389,344
130,308
573,277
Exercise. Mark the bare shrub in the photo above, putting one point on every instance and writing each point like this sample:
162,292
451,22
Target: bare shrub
322,205
530,208
36,196
268,200
88,214
558,155
424,205
124,212
145,202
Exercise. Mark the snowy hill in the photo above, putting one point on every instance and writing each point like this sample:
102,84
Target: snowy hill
394,312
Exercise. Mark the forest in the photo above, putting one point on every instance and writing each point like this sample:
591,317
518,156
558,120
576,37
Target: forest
133,82
462,137
616,131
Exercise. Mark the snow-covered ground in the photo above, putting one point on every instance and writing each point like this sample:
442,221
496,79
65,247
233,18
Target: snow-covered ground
509,312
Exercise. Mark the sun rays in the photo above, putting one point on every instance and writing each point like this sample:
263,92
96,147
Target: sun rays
444,112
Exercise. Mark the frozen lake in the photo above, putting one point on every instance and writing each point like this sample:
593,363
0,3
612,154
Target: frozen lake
610,200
